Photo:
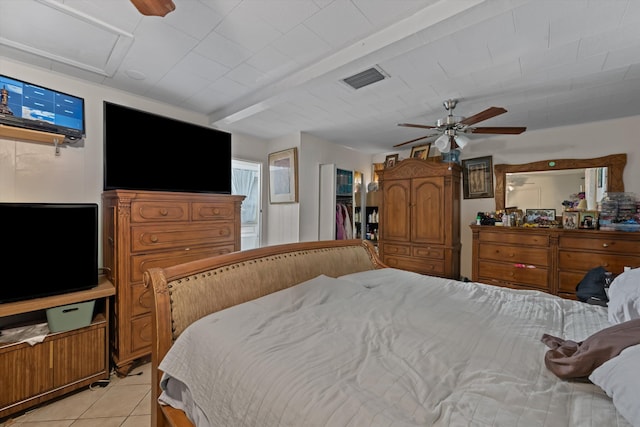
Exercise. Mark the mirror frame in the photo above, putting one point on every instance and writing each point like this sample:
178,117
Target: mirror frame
614,162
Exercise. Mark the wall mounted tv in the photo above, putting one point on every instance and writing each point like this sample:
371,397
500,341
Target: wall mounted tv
145,151
49,249
39,108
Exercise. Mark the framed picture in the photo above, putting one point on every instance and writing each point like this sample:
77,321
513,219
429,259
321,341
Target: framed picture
283,176
390,160
420,151
570,219
588,219
477,178
540,216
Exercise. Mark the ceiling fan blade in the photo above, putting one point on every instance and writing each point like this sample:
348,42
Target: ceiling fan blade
483,115
154,7
409,125
504,130
413,140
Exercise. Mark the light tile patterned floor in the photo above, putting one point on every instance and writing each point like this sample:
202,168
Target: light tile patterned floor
125,402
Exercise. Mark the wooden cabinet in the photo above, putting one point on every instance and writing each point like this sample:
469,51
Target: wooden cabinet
551,260
63,362
420,217
144,229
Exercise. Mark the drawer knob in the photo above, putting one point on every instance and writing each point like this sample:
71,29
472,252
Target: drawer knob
605,245
154,238
216,211
164,212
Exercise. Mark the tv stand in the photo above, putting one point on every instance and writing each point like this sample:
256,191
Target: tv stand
63,362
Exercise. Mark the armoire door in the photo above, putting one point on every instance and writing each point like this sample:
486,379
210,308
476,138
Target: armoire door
427,200
396,221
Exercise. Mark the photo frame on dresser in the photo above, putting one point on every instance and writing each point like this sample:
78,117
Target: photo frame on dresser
588,220
570,219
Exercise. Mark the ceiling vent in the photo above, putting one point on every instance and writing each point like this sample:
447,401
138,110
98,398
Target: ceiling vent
366,77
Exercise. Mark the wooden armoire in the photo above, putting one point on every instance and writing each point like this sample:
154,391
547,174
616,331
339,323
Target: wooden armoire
420,217
144,229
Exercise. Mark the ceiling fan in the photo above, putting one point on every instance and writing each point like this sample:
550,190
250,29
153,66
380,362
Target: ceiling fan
452,128
154,7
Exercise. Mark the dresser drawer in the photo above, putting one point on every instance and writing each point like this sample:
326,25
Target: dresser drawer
141,333
141,300
212,211
568,280
428,252
391,249
496,273
140,263
146,238
517,238
147,211
425,266
603,244
585,261
515,254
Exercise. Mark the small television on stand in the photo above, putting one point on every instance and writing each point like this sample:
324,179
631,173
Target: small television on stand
49,249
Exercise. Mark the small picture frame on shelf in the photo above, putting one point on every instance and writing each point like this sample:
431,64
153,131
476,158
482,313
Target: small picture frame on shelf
570,220
420,151
390,161
589,220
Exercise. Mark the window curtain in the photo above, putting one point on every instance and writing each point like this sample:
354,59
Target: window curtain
244,182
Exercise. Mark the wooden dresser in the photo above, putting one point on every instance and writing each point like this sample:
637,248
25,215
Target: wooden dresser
144,229
552,260
420,217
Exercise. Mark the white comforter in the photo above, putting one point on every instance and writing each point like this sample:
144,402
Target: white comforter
385,348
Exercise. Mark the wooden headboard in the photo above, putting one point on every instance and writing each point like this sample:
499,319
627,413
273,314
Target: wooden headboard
187,292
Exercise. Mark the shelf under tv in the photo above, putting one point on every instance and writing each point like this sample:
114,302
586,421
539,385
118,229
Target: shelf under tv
13,132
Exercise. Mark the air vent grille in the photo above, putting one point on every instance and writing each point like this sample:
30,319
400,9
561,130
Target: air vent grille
365,78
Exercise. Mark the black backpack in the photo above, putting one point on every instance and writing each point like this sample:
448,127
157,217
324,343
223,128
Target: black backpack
591,287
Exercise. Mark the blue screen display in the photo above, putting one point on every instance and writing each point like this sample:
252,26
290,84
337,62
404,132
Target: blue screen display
54,110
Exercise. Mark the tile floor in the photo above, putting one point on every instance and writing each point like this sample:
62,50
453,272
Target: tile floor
125,402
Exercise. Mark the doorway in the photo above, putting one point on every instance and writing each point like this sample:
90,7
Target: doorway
245,181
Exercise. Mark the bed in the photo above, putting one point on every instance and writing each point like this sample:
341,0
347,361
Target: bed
324,334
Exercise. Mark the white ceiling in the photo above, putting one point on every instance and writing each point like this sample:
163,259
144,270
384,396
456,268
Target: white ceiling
270,68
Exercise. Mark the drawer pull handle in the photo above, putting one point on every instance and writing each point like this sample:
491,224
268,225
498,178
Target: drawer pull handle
605,245
187,249
164,212
154,239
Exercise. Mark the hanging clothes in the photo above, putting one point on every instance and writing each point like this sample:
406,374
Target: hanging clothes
339,223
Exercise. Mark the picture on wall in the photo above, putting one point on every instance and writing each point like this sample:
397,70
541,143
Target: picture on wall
283,176
477,178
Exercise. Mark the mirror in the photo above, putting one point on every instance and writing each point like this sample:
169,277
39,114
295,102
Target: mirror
614,165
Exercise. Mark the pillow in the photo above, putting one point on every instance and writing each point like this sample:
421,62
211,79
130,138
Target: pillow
619,377
624,297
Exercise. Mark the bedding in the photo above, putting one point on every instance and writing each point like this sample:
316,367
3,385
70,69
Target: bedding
385,347
624,297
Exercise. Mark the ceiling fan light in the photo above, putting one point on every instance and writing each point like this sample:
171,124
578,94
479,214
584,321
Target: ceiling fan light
442,143
461,140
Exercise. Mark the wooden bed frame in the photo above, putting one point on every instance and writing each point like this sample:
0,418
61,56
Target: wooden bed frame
184,293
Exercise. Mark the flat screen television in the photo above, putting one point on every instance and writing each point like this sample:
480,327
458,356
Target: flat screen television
37,107
49,249
146,151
